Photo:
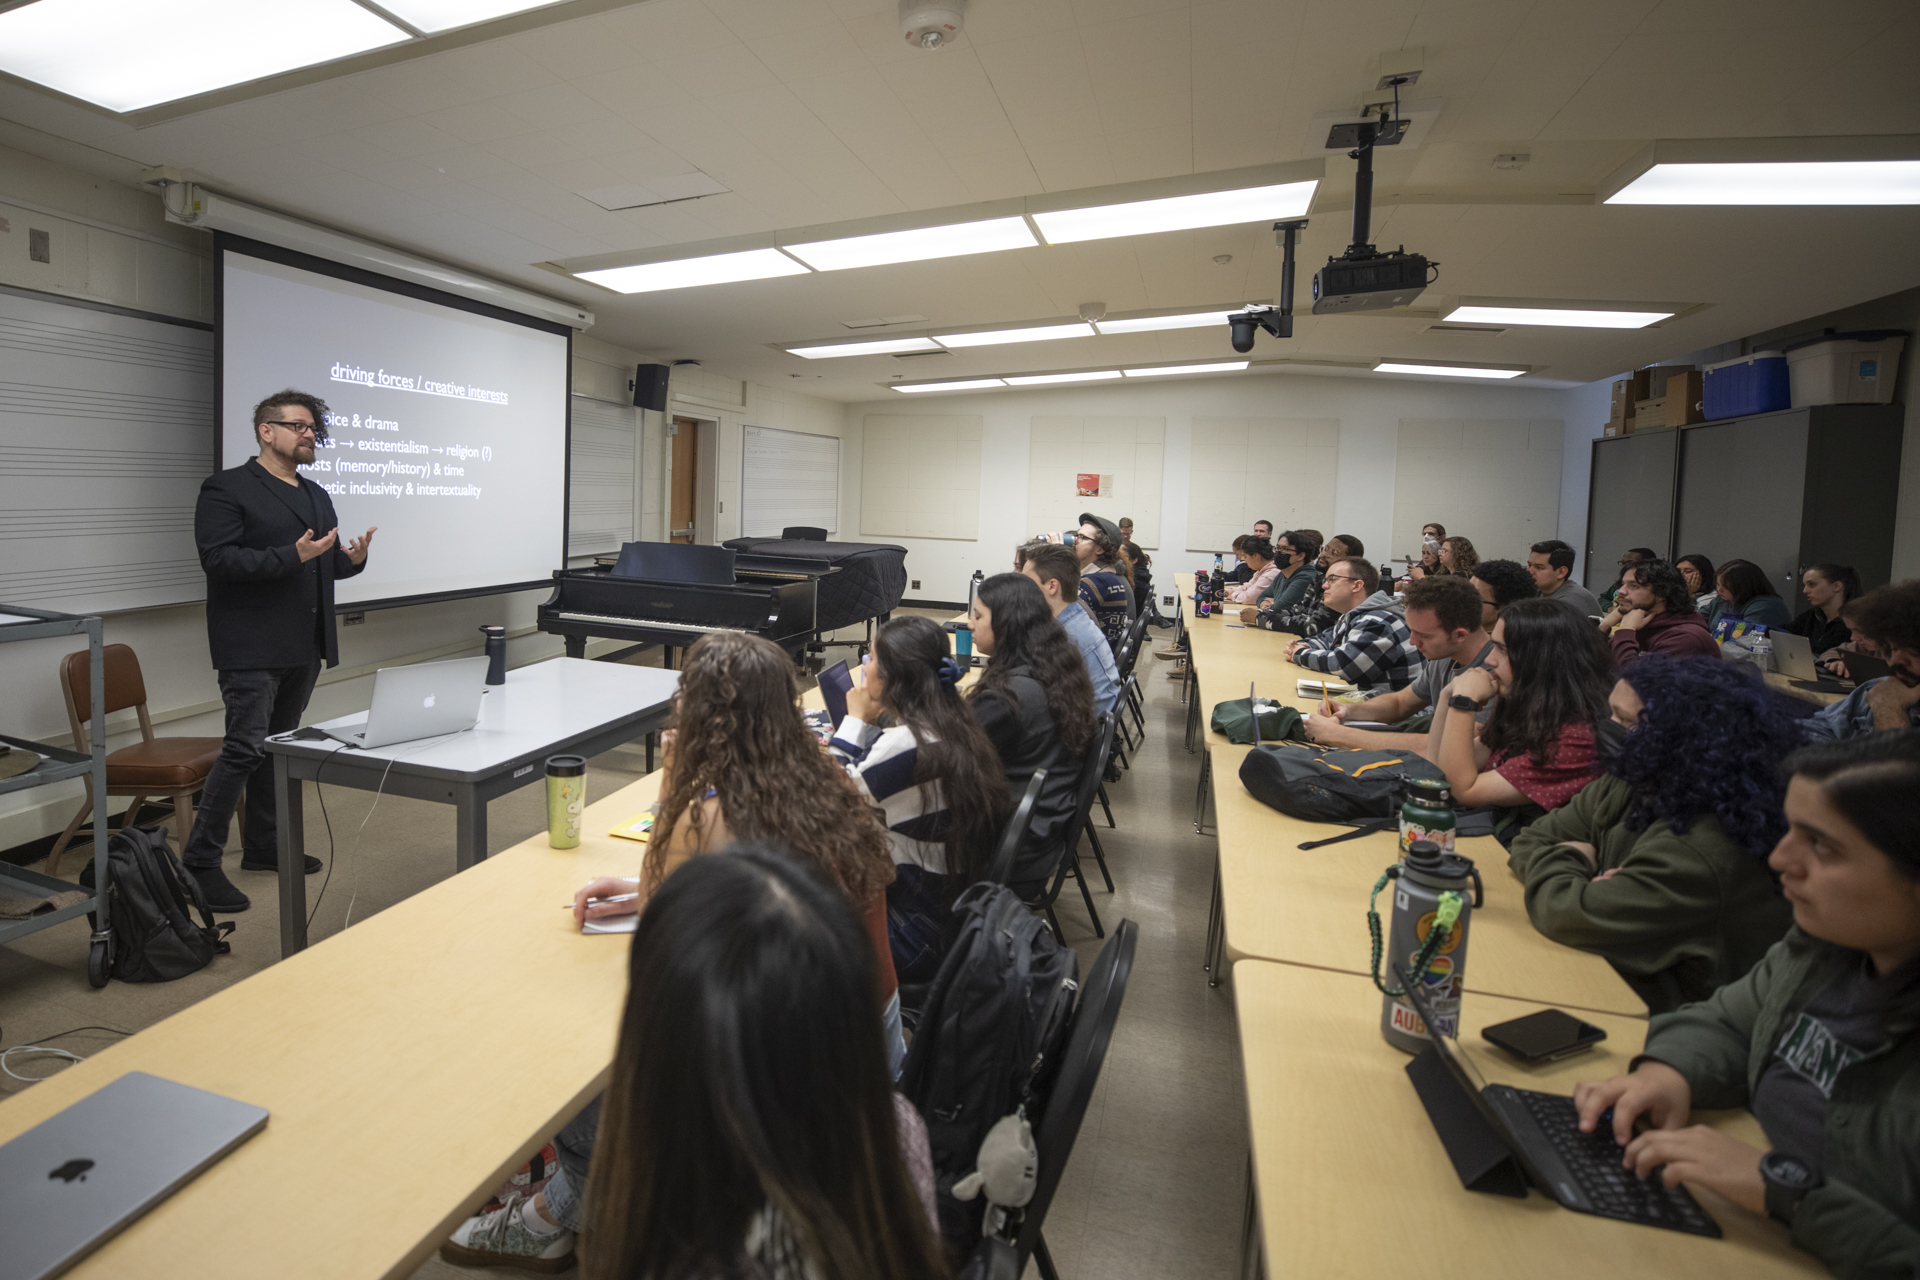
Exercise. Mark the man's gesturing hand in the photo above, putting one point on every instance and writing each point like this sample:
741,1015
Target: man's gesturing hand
357,549
309,546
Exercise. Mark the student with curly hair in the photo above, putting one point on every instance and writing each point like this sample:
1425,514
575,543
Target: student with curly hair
1653,613
1500,583
1538,747
1818,1040
1660,864
1888,618
1035,704
932,775
1458,557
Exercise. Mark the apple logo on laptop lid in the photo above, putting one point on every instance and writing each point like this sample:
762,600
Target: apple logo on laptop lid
71,1170
428,701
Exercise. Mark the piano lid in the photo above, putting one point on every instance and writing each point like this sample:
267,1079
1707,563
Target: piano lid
675,562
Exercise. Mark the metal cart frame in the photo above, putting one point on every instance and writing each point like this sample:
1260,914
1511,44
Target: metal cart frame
59,764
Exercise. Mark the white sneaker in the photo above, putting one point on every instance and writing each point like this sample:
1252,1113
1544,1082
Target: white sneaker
503,1239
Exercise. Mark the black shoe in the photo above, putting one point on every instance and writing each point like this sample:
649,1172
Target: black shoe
250,863
220,893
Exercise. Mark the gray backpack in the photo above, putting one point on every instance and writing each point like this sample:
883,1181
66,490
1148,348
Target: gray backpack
150,903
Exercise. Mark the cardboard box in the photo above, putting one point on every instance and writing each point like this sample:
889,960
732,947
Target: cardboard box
1617,428
1650,415
1685,400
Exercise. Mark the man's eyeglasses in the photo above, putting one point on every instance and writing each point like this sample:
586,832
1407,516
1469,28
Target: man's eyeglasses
1339,577
298,428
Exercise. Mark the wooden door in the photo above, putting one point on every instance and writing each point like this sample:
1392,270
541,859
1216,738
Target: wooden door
685,470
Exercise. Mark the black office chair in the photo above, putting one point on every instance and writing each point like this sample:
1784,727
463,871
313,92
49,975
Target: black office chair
803,533
1066,1104
1016,831
1069,865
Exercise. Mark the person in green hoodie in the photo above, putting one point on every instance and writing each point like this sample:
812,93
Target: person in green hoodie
1660,864
1818,1040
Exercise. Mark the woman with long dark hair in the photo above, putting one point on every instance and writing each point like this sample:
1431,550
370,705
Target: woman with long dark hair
1744,593
1552,674
1700,576
1035,704
1818,1040
750,1130
1660,864
1828,589
932,774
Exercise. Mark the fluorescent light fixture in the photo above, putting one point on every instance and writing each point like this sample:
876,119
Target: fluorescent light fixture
1565,317
1176,213
1809,182
1225,366
1042,379
969,384
687,273
1445,370
128,54
443,15
1151,324
994,337
954,241
884,346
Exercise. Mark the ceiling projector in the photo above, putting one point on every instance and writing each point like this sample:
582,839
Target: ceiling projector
1363,278
931,24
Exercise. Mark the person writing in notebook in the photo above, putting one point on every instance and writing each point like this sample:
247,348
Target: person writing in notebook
1818,1041
1443,622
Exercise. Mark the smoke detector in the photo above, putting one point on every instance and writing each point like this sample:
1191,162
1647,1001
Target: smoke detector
931,24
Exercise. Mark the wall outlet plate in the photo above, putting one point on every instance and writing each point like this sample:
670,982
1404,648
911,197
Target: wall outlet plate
916,584
1167,600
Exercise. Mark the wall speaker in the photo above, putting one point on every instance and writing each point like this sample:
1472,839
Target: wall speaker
650,387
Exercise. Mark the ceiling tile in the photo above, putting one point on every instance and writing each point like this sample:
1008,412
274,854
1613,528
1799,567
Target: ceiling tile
480,122
552,106
529,149
750,19
1044,84
808,52
1150,153
995,175
1066,163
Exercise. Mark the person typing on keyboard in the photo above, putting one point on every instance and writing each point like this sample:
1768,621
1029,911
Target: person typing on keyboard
1818,1040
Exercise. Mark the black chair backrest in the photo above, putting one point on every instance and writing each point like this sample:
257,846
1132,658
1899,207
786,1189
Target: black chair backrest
1016,831
803,533
1130,648
1066,1104
1092,770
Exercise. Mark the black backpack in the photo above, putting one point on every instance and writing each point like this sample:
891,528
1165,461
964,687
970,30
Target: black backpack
1332,784
150,903
989,1038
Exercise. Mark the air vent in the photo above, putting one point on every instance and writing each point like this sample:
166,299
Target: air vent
916,355
1463,328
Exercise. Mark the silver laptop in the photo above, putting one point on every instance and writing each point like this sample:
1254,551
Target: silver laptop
1793,658
77,1178
418,701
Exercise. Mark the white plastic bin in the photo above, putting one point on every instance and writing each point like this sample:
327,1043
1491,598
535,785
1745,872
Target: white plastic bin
1848,368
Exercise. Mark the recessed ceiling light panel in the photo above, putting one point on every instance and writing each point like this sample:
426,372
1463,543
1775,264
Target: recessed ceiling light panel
444,15
882,347
1176,213
953,241
1807,182
1152,324
1445,370
128,54
1224,366
996,337
1566,317
970,384
1038,380
688,273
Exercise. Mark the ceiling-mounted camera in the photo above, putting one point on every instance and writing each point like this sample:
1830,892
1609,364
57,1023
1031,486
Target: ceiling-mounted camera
1276,320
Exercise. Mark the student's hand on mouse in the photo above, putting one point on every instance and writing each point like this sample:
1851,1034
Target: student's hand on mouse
1701,1156
357,549
605,887
1653,1089
309,546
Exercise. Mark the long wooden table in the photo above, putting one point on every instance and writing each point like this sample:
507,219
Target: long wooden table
1350,1181
1277,902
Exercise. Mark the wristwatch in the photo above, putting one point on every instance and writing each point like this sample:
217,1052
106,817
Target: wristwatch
1788,1182
1461,702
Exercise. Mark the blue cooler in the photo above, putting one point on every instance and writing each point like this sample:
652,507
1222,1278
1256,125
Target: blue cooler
1752,384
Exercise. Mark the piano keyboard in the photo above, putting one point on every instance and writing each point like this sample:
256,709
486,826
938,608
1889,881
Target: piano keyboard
651,624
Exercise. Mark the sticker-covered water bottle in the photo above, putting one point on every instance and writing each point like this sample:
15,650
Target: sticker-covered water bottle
566,798
1434,894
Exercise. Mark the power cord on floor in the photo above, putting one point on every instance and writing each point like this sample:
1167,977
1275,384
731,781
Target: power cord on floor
41,1047
424,743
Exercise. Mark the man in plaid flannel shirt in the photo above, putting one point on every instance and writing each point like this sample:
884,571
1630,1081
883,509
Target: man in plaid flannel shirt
1370,646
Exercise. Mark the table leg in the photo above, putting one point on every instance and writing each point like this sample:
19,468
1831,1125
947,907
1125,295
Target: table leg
1215,959
652,740
293,859
1200,794
469,828
1252,1265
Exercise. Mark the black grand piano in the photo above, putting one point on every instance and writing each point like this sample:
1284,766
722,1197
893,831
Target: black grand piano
672,594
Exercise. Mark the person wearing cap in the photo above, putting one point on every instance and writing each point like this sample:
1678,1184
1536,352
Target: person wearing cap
1104,588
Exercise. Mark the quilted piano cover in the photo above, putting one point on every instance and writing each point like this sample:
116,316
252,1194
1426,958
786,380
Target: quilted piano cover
872,577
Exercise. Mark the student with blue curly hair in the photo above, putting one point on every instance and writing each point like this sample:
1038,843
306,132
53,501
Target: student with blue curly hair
1660,865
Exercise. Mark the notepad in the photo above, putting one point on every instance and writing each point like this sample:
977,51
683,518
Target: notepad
1315,688
612,924
639,827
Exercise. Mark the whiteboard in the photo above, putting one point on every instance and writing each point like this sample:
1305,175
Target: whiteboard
788,478
107,426
601,480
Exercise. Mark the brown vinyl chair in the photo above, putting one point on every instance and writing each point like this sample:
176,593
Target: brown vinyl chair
172,767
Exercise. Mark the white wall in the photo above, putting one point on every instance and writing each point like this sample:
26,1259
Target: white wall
1369,409
732,404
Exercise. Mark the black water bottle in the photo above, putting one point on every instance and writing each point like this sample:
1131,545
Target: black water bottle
496,654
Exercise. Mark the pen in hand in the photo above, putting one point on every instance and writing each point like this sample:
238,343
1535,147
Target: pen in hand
618,897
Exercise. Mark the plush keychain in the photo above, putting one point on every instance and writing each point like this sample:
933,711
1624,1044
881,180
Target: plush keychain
1008,1170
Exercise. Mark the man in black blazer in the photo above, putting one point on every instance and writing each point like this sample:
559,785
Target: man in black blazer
269,542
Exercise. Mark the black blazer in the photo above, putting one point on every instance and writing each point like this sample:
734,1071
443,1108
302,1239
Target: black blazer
264,608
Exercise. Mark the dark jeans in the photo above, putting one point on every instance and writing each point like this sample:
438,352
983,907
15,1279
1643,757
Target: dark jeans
259,703
917,922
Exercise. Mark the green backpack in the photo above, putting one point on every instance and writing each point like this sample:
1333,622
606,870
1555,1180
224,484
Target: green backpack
1278,723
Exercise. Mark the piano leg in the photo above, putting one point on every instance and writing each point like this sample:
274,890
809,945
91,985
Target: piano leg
576,646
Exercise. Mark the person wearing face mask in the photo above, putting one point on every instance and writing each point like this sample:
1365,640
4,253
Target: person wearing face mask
1818,1040
1653,613
1828,588
1660,864
1294,590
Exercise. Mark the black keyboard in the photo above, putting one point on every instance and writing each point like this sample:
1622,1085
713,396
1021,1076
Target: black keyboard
1614,1191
